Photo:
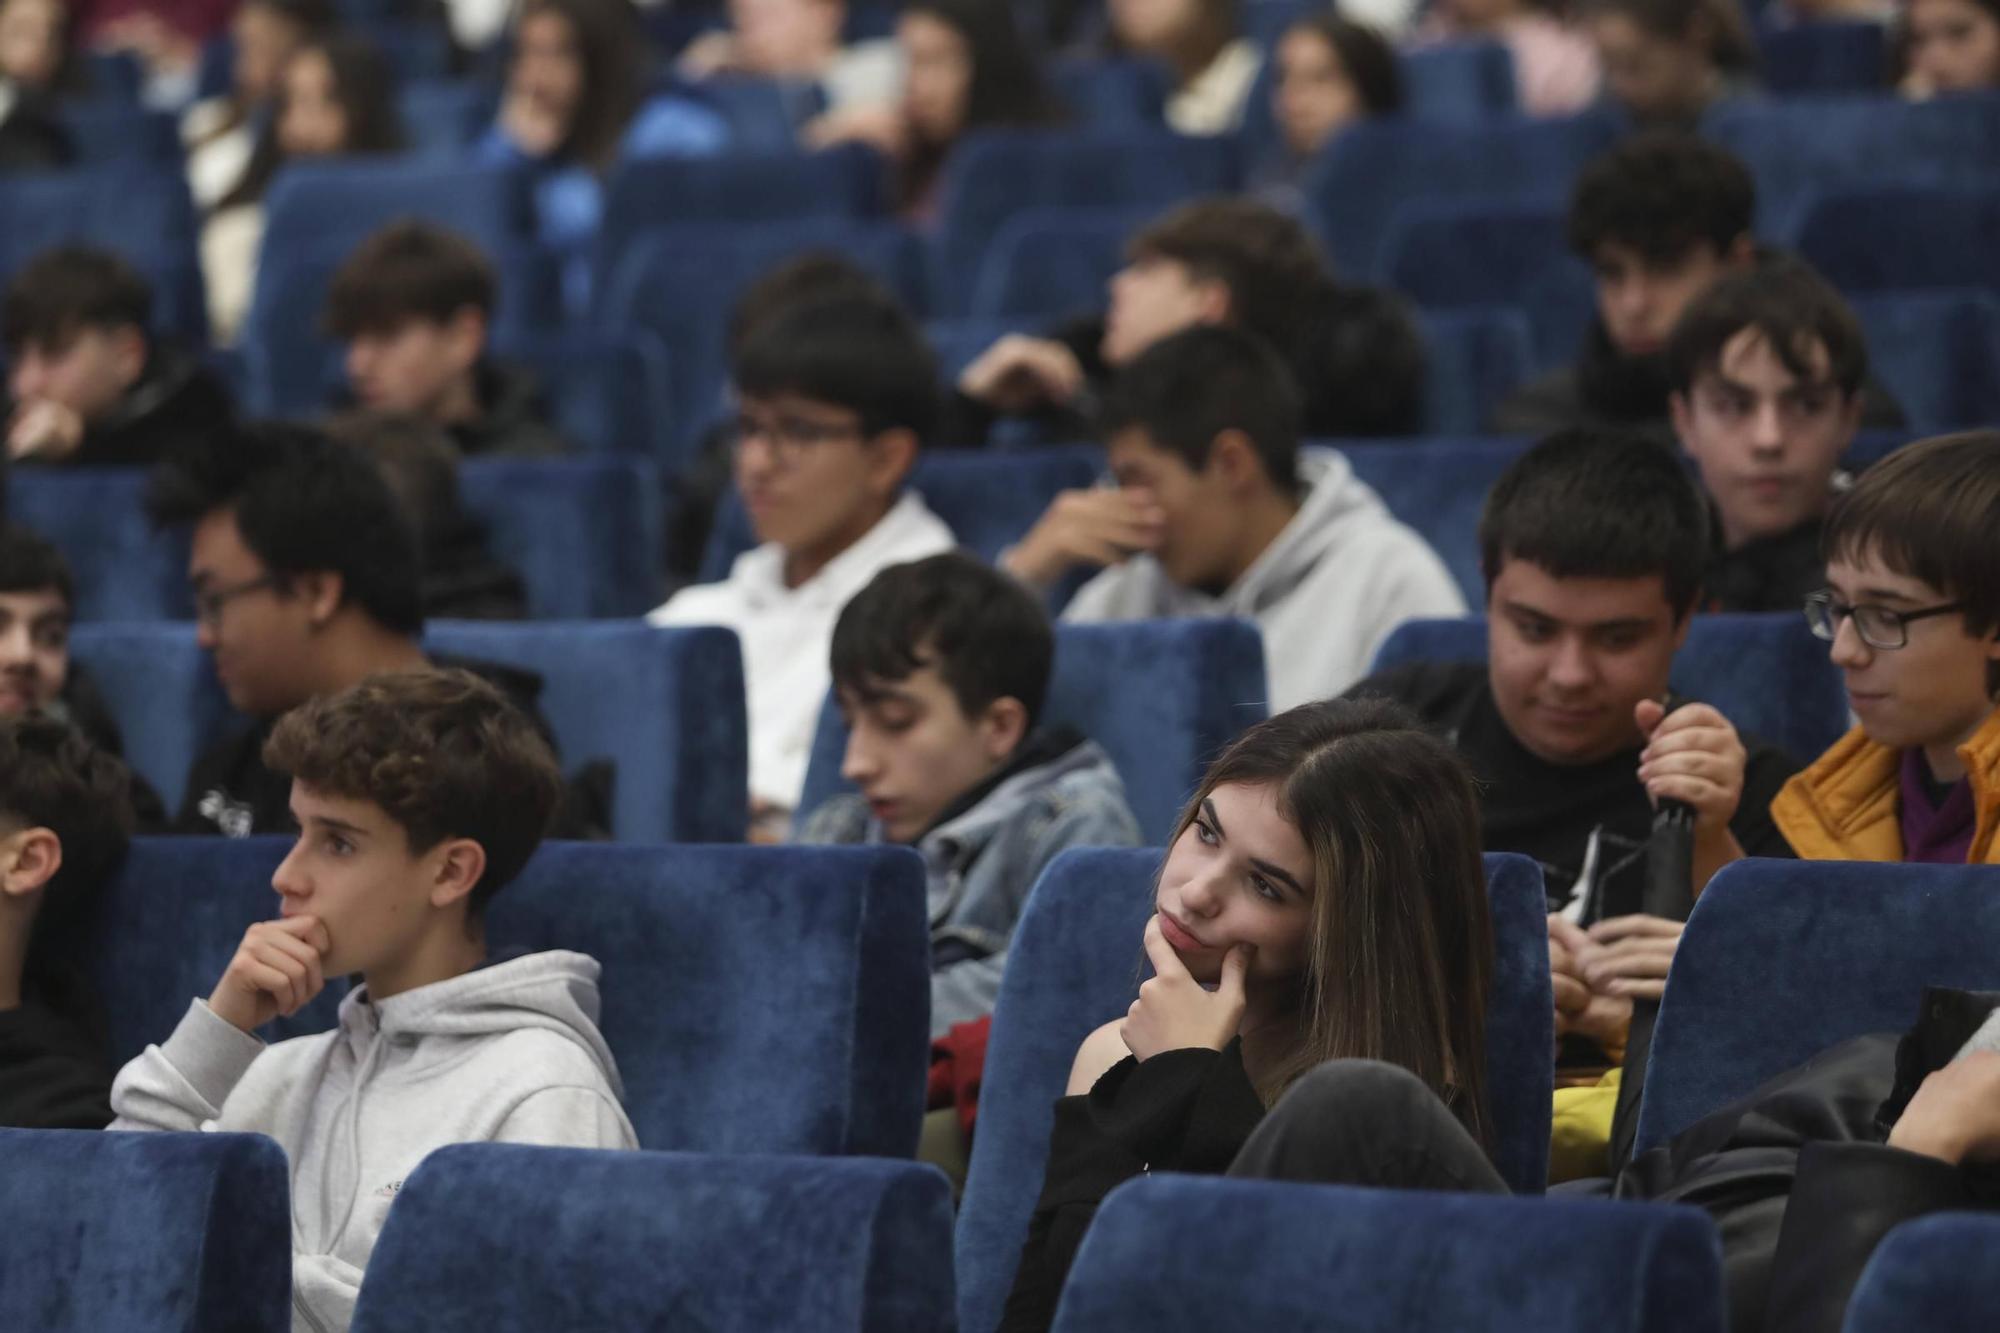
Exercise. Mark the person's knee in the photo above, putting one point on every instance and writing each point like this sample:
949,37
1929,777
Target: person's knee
1356,1090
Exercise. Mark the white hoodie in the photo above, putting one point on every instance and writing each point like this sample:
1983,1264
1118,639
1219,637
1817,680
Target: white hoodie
508,1052
1325,592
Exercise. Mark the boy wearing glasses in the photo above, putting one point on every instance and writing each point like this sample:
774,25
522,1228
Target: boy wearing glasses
833,398
1912,608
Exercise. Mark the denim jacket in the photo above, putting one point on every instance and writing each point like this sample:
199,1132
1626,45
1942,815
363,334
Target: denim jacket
981,863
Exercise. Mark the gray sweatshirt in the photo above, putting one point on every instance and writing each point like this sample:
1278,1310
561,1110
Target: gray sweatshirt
1325,592
509,1052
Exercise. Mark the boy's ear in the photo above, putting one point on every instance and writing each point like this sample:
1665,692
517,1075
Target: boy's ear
893,455
1742,251
129,347
1233,460
461,864
467,331
322,590
1003,727
29,859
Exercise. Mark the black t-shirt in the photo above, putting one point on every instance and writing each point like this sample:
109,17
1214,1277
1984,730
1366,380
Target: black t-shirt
1555,812
53,1073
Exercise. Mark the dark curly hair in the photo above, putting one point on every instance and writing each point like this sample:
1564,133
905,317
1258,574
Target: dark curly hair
1662,194
444,753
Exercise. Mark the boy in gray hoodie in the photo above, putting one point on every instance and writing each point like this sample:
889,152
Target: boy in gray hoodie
1218,512
418,797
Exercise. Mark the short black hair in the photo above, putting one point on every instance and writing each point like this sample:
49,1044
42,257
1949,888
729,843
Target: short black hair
1188,388
31,563
303,502
1267,259
407,271
53,778
1663,194
65,290
986,635
1795,310
862,353
816,275
1599,504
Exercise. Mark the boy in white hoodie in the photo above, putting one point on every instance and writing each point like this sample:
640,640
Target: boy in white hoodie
1218,512
418,796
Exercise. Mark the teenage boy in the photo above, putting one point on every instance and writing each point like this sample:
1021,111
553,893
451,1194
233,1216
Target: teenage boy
418,797
833,398
414,305
940,667
305,576
89,384
64,823
1354,350
1218,512
1768,369
1912,608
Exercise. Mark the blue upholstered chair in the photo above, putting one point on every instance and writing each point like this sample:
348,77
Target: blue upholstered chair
988,500
1076,963
1938,353
1937,1273
1477,358
993,175
1439,488
1466,82
607,389
1447,255
1824,57
757,999
1051,262
1161,696
1867,238
1783,959
443,117
583,533
335,205
501,1238
106,133
144,1233
1766,673
123,569
1187,1254
763,115
1110,93
664,705
162,692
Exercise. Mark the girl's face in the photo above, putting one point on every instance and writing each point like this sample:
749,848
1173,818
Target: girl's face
1653,77
265,40
548,64
1313,98
1153,27
31,41
1240,874
312,123
1954,46
937,87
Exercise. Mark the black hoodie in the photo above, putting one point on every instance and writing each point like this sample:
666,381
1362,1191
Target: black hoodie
512,421
174,399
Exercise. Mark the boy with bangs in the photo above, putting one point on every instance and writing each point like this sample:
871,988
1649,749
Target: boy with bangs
418,797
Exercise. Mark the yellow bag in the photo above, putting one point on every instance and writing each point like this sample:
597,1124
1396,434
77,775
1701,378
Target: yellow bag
1580,1133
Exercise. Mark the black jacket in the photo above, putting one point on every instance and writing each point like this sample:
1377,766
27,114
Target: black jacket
32,138
1770,574
176,398
82,705
54,1074
512,420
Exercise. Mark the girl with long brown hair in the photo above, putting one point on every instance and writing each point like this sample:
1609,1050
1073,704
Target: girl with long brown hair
1320,938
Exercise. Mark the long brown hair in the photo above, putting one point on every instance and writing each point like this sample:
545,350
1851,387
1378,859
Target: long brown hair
1401,946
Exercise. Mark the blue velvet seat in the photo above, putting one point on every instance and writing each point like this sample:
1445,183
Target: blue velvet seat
444,117
757,999
584,533
1076,963
993,175
1438,487
665,706
162,693
1937,353
607,389
1464,82
122,569
1851,948
144,1233
763,115
1939,1273
1476,358
1824,57
338,204
107,132
1187,1254
989,501
501,1238
1118,93
1372,169
1447,255
1766,673
1889,237
1161,696
1047,263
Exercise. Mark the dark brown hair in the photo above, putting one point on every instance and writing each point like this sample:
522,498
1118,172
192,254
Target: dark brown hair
1791,306
1273,268
365,86
611,43
444,753
1401,950
407,271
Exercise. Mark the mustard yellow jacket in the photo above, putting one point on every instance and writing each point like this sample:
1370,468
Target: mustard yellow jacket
1846,805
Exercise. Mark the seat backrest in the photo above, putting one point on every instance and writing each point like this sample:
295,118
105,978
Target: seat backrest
1782,959
1938,353
1161,696
1076,962
1438,487
1333,1259
1891,237
988,500
1445,255
162,693
1460,82
122,568
442,117
1824,56
584,533
757,999
335,205
1766,673
1475,359
763,115
105,132
665,706
1937,1273
145,1233
1115,93
1052,262
660,1240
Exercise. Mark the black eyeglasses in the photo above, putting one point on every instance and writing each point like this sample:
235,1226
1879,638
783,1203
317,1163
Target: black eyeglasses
788,437
210,602
1878,626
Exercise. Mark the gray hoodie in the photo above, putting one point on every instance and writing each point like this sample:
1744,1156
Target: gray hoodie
1326,591
509,1052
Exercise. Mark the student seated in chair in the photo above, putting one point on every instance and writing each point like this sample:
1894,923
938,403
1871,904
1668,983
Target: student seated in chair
1219,512
834,397
418,796
65,819
940,667
1912,609
1768,369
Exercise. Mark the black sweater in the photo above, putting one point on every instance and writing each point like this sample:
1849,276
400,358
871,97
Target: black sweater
53,1074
